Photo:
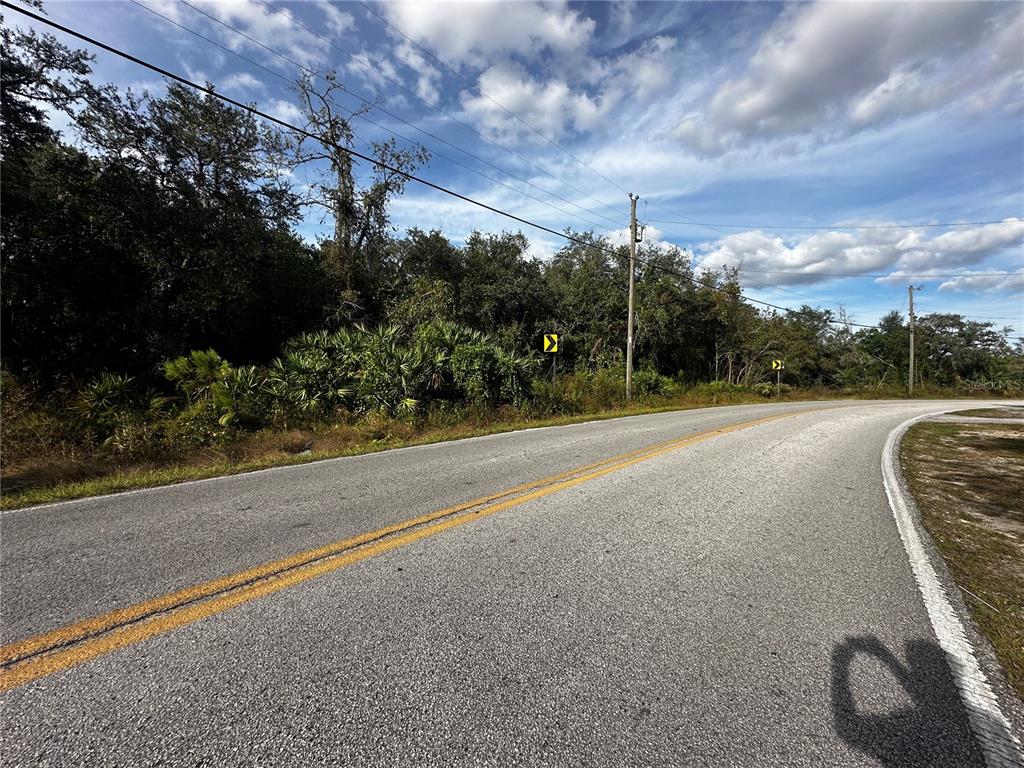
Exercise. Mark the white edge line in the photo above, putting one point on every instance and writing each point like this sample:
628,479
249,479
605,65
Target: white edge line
423,446
991,727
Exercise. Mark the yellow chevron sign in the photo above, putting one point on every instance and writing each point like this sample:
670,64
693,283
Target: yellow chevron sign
550,342
778,365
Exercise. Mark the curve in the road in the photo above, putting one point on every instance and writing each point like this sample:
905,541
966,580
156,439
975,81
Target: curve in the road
27,660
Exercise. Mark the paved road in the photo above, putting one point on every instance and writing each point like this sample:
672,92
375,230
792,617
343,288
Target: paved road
740,599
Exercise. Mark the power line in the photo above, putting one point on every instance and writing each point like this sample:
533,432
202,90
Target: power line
479,90
455,162
379,108
375,161
873,274
380,164
278,121
830,226
356,114
290,16
762,284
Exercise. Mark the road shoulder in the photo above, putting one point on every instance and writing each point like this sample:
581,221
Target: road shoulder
996,713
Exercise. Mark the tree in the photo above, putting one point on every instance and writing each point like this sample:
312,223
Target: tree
360,211
172,234
38,70
503,290
588,290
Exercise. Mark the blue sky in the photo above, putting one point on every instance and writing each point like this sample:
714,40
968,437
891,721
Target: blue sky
757,115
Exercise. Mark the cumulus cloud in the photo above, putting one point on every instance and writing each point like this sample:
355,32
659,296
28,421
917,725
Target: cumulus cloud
337,20
557,106
900,251
278,30
532,58
477,33
286,110
428,78
552,107
844,67
240,83
982,283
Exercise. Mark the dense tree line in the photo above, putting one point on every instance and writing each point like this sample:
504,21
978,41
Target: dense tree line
167,223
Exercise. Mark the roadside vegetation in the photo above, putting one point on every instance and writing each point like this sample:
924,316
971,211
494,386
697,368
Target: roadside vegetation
163,318
968,480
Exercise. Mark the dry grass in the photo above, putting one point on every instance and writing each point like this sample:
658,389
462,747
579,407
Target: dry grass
41,466
52,478
968,480
1009,412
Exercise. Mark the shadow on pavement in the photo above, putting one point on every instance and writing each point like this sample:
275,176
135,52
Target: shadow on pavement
933,731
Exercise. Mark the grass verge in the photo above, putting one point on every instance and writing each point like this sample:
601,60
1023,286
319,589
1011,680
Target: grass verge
968,481
1010,412
64,481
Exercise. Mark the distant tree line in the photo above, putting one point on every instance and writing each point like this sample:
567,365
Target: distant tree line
170,225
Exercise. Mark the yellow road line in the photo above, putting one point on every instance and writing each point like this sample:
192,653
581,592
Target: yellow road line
91,626
35,657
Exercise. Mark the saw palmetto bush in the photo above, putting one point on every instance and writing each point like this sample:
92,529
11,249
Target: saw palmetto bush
396,376
306,384
196,373
320,378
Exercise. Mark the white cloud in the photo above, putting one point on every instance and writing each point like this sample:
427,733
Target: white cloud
285,110
478,32
982,283
621,15
556,106
337,20
373,69
542,249
428,78
276,30
843,67
240,83
901,251
551,107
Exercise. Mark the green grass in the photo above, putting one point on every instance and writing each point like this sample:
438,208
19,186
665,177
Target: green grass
45,479
47,487
968,480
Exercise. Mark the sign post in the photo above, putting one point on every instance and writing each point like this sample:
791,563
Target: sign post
551,346
778,366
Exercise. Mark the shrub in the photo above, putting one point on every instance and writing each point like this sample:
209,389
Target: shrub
197,426
242,399
101,401
133,438
648,383
304,384
34,427
393,377
718,387
580,392
515,377
476,373
195,374
767,389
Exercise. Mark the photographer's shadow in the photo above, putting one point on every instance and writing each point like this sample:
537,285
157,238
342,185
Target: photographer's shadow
932,731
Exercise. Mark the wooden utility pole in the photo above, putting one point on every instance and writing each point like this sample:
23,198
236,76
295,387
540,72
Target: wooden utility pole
629,312
910,304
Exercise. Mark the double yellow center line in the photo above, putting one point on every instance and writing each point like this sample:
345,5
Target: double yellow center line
26,660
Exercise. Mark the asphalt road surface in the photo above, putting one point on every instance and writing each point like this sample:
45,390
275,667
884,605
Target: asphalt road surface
737,595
